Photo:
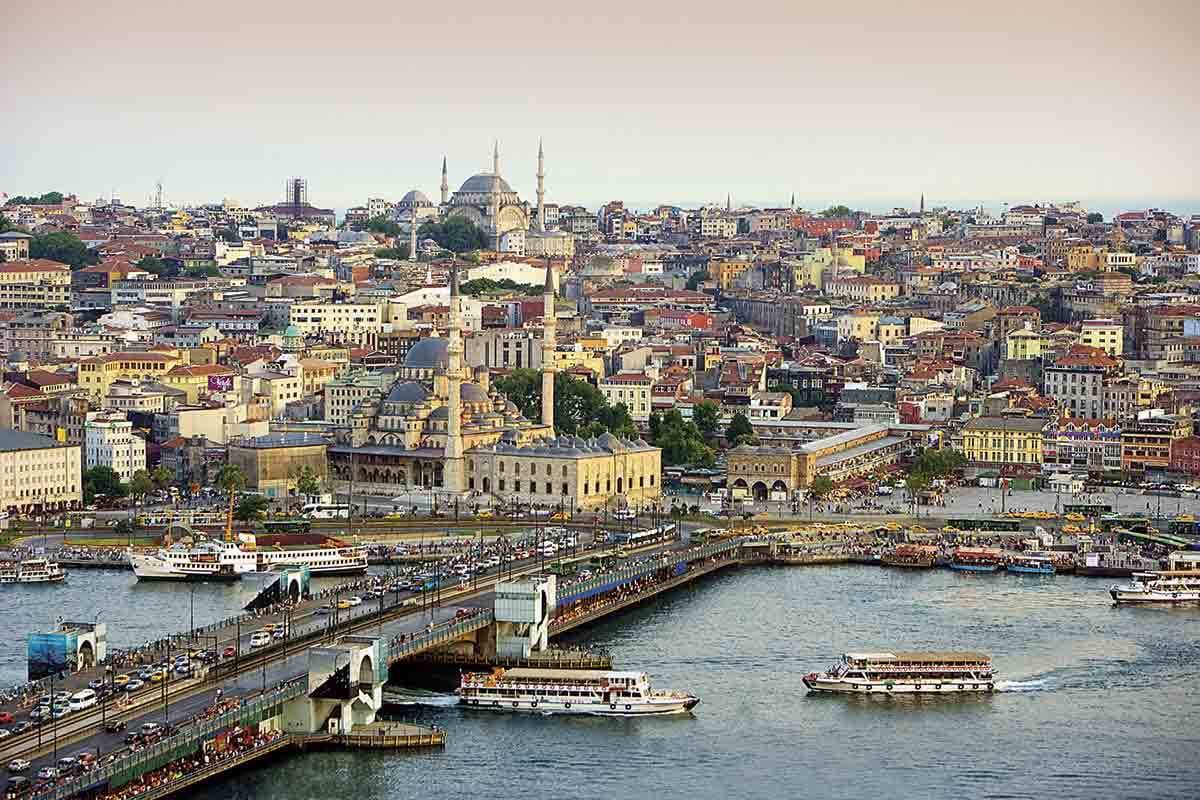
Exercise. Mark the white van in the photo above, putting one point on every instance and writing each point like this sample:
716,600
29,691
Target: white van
83,699
260,639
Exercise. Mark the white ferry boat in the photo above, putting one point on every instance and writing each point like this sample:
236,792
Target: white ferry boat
31,570
211,560
1166,586
570,691
906,673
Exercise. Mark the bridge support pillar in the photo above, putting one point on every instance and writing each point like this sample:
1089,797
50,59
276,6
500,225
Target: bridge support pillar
523,612
345,687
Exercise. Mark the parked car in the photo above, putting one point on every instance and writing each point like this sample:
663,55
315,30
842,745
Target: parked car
18,765
5,717
229,652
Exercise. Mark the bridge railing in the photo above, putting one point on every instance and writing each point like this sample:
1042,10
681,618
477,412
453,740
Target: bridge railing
611,580
188,735
440,634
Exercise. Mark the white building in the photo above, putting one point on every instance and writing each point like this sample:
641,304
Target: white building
631,388
108,441
38,473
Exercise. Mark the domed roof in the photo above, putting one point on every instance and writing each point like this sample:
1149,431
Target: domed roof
484,183
429,353
472,393
407,392
292,331
415,198
610,442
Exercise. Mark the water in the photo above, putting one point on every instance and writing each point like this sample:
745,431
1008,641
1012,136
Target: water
1098,702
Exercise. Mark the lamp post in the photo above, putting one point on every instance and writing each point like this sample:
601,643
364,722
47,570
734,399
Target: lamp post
192,613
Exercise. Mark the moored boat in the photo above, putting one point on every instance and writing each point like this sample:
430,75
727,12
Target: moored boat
570,691
977,559
1164,587
212,560
920,556
1031,564
917,672
31,570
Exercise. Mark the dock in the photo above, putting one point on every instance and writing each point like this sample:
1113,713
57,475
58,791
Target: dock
379,735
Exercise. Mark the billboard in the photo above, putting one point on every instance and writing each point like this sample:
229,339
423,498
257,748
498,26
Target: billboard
50,653
220,383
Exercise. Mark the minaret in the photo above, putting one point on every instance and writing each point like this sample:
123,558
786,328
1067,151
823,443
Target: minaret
793,206
541,189
728,202
453,478
548,341
445,183
922,204
496,158
412,234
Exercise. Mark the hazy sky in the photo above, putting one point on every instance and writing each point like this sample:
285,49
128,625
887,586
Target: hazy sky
868,103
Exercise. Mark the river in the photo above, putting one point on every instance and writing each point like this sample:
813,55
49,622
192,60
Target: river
1098,702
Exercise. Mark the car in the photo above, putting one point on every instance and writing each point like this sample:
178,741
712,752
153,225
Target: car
21,727
5,717
229,652
5,733
18,765
354,600
115,726
60,712
96,684
182,659
18,786
133,737
183,670
62,696
68,764
279,633
145,674
343,604
120,680
323,610
134,685
260,639
47,773
158,676
150,728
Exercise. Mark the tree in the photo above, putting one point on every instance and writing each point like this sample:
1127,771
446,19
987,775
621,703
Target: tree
1095,218
457,234
232,480
307,482
740,431
837,211
102,480
141,484
203,271
579,408
63,247
818,490
680,440
696,278
158,266
707,416
250,508
398,253
488,286
48,199
229,236
383,225
161,476
7,225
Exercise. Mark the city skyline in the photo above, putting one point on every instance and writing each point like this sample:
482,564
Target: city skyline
967,106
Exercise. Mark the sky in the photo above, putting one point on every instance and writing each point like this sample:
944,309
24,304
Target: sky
868,103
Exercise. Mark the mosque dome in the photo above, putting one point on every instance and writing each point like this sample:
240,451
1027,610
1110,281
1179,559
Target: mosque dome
415,198
407,392
472,393
291,331
484,183
429,353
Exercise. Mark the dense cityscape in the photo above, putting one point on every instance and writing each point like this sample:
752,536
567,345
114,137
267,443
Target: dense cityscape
701,403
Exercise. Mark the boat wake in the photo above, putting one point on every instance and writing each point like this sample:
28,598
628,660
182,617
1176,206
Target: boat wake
1022,686
418,697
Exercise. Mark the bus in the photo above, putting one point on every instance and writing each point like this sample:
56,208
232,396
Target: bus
323,511
996,525
1087,509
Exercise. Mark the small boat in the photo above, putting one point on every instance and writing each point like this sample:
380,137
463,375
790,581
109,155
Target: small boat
977,559
1167,587
1031,563
920,556
569,691
918,672
31,570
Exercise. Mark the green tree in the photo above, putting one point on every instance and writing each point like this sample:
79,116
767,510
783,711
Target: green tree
230,236
1095,218
397,253
488,286
102,480
680,440
696,278
63,247
579,408
837,211
203,271
740,431
307,482
48,199
707,416
7,225
457,234
383,225
161,476
818,490
141,484
157,266
251,507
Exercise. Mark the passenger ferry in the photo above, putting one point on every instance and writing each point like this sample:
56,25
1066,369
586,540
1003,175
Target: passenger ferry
31,570
1166,586
570,691
1031,563
977,559
211,560
906,673
921,556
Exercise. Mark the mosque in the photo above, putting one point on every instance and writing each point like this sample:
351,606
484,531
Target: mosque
488,201
443,428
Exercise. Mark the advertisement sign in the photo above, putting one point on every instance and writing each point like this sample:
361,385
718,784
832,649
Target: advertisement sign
220,383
